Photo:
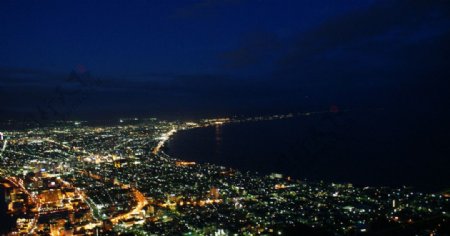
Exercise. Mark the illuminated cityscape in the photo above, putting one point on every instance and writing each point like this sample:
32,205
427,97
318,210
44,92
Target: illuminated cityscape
71,178
225,117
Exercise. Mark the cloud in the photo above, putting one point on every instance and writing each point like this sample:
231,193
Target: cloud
11,76
358,29
369,57
254,49
375,47
360,43
66,96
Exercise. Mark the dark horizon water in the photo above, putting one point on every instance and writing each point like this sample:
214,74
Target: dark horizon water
366,149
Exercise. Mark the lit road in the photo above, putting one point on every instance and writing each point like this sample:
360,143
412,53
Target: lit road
33,198
163,139
141,203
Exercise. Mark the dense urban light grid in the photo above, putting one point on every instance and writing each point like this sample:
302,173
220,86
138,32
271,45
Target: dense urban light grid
73,178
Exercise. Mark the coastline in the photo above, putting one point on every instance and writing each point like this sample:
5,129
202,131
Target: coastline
164,138
197,145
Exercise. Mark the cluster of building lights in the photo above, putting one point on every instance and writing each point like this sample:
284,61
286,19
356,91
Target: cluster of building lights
80,179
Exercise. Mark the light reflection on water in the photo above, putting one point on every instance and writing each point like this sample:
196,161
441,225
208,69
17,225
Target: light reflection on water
218,139
365,149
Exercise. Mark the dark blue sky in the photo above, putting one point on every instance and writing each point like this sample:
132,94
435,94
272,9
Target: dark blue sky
92,59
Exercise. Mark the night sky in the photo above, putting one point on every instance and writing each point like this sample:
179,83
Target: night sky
176,59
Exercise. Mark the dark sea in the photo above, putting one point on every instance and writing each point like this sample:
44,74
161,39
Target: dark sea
370,148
